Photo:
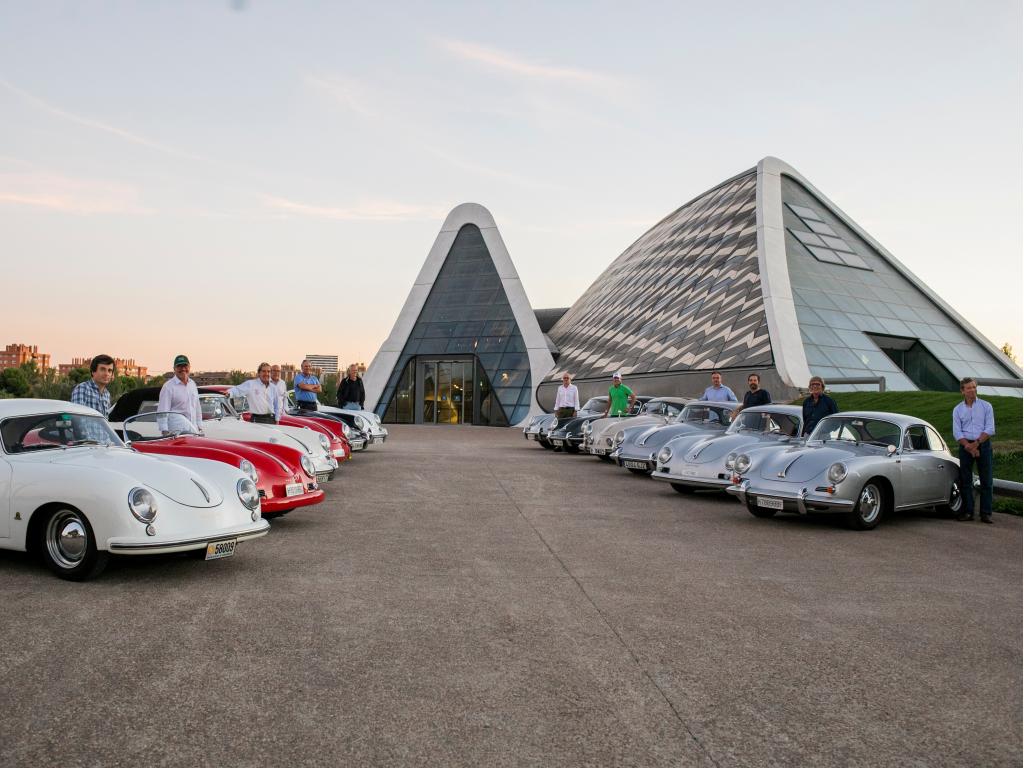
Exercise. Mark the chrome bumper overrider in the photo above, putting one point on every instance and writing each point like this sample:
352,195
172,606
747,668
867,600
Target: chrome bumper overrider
802,501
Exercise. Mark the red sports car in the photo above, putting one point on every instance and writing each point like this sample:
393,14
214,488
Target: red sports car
340,447
284,476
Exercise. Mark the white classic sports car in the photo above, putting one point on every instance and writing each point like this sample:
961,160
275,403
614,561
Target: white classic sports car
71,491
366,422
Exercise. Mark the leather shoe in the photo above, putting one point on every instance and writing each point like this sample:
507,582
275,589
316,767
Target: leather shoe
964,517
986,519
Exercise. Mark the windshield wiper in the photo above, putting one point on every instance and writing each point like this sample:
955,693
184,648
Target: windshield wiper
19,448
83,441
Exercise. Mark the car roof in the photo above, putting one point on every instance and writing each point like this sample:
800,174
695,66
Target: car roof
792,410
673,400
897,418
27,406
718,403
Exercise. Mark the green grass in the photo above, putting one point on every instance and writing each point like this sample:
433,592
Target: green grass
937,409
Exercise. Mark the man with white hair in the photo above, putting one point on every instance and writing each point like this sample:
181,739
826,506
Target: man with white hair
620,397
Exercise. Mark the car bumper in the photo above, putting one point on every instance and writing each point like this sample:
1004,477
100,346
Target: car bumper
599,450
283,503
133,546
713,483
801,502
325,476
633,462
356,443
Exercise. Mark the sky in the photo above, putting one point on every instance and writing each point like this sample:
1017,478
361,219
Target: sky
250,180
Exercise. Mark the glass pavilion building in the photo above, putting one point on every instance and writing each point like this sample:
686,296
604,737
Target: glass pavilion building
760,274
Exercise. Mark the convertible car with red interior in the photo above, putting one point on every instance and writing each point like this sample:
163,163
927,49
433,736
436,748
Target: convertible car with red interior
284,477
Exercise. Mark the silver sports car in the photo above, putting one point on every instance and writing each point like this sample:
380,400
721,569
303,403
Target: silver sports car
695,462
637,446
862,464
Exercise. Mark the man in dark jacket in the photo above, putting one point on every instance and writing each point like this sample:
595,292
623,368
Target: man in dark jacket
818,405
351,394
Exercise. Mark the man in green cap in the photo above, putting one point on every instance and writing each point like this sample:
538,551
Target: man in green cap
620,397
179,394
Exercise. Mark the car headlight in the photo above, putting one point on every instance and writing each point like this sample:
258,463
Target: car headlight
325,443
730,460
377,419
665,455
554,424
587,428
247,493
620,436
346,430
247,467
742,463
360,423
837,472
307,466
142,504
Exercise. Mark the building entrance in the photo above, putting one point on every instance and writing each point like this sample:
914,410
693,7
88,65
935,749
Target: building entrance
447,394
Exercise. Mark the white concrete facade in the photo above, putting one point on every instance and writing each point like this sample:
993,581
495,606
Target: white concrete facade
384,361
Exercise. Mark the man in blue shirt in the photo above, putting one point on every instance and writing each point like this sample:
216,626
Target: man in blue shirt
718,392
307,387
94,393
818,405
974,423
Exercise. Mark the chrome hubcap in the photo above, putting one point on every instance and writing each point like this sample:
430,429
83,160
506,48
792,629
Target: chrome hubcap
66,539
954,498
870,503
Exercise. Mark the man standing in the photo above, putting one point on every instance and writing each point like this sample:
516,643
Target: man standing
179,394
567,401
94,393
755,395
718,392
818,405
974,423
351,394
620,397
307,386
281,405
261,394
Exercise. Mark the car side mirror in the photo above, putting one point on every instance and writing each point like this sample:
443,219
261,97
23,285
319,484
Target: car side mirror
890,449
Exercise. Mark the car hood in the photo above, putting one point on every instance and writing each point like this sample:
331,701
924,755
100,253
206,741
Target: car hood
172,480
802,463
304,440
634,422
656,437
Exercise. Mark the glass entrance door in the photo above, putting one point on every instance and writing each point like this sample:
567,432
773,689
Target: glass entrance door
447,392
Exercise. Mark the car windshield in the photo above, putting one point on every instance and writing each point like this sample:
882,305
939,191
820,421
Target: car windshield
853,429
156,426
660,408
765,422
41,432
594,404
216,407
705,414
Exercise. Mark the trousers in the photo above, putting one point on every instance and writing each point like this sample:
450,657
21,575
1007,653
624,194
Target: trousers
984,463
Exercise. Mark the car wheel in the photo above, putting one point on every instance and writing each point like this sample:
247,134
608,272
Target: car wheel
955,503
762,512
870,507
686,490
68,546
636,471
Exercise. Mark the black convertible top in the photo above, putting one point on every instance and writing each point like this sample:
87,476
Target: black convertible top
129,403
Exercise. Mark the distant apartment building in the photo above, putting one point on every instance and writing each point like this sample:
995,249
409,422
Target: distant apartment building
15,355
123,367
288,371
324,363
208,378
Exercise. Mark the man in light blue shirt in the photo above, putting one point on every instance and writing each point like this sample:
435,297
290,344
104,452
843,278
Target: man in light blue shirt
307,386
974,423
718,392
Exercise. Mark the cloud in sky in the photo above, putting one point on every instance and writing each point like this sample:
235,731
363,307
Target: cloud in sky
65,194
369,211
503,61
97,125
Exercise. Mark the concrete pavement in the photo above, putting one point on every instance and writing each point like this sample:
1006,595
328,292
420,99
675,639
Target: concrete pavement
466,598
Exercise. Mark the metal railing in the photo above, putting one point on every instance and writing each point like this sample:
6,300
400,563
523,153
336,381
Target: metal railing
879,380
987,382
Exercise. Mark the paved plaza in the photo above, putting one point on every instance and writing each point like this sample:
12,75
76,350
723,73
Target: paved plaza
464,597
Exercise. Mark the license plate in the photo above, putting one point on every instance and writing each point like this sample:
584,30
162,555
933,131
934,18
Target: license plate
769,503
689,471
294,489
323,477
635,464
596,451
531,435
559,443
218,549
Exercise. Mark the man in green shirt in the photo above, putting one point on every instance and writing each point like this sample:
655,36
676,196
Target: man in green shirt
620,397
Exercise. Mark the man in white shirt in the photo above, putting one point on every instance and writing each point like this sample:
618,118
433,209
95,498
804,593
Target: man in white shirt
567,401
263,396
179,395
282,391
